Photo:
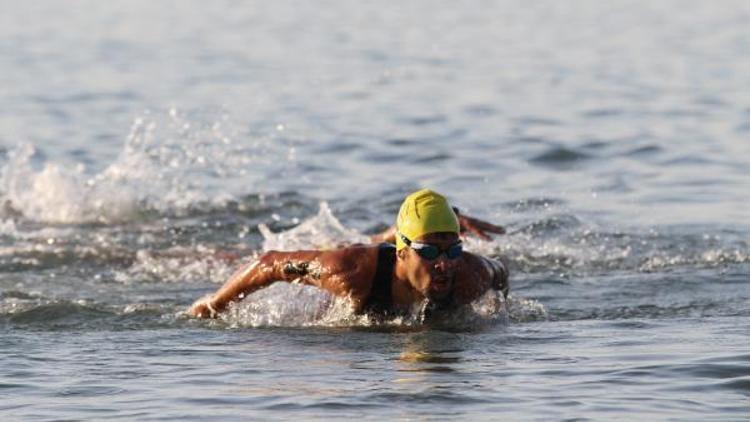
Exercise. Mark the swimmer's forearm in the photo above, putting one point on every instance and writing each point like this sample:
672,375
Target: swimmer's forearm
235,288
246,280
269,268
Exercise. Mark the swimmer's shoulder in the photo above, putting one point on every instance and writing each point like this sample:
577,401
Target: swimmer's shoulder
471,262
352,268
359,250
359,260
475,276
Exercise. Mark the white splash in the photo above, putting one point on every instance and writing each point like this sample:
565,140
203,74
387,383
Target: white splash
323,231
176,265
292,305
52,194
523,310
168,164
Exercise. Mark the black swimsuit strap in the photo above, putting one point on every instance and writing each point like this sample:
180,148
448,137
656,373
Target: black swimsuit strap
380,295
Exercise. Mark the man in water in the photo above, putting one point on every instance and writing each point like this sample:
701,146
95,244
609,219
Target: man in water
426,265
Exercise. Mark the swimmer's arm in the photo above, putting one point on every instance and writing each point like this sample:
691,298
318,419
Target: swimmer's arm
477,227
249,278
327,270
480,274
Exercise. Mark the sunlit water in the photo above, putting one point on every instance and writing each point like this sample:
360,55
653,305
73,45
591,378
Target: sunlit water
144,143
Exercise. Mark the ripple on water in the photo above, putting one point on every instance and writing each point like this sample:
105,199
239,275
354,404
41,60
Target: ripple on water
560,158
742,385
63,315
58,313
424,120
645,150
436,395
600,113
551,224
401,142
433,158
537,121
481,110
534,204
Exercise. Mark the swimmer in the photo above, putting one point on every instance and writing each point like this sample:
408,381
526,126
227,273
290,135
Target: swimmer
427,265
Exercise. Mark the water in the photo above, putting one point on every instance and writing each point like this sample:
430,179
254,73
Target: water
143,144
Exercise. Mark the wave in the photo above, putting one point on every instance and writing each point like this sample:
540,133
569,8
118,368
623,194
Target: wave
177,195
39,313
648,310
561,244
568,251
552,244
560,157
281,305
195,250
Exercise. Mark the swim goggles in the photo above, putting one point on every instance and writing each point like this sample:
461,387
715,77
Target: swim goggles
430,252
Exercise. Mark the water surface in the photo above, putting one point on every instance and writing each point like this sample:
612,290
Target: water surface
143,142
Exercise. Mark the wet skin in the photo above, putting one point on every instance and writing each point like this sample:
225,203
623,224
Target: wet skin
349,272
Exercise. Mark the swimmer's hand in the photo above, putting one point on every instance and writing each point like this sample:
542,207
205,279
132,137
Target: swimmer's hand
477,227
202,308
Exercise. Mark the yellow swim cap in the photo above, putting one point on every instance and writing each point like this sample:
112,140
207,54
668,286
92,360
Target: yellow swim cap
424,212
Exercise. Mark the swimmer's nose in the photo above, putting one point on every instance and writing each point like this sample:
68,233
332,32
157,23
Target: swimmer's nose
441,263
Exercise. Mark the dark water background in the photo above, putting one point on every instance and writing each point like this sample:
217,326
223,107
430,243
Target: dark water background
139,140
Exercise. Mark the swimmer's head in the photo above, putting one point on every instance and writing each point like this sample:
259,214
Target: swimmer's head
426,218
422,213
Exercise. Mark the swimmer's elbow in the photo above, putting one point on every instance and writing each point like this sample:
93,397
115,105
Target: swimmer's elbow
256,273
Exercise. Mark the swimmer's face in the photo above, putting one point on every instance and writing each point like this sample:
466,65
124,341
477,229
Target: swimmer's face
433,278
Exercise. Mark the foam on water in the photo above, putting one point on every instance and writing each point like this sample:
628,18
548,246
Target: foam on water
587,249
176,265
295,305
51,194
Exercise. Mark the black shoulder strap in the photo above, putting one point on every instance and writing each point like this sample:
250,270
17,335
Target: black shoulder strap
380,295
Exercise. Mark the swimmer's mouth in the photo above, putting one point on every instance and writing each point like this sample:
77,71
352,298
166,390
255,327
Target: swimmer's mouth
440,285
